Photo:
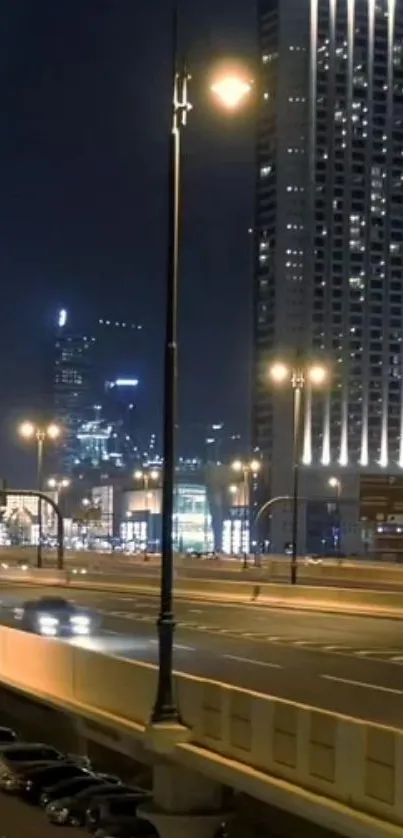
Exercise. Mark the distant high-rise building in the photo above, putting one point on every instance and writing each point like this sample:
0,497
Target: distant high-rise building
329,232
93,390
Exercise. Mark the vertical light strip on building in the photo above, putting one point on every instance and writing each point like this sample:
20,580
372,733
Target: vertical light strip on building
384,452
401,410
307,446
364,459
326,431
344,453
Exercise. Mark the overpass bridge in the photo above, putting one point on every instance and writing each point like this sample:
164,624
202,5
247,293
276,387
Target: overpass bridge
340,773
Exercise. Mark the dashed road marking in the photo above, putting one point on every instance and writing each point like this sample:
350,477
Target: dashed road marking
394,656
364,684
239,659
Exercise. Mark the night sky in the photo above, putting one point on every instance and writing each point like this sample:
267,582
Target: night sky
85,99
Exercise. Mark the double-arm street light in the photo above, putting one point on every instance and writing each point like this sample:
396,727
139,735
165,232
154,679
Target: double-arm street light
230,90
248,469
40,434
146,476
299,377
58,485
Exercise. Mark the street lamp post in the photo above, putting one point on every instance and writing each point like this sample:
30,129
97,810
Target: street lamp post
146,476
41,433
299,377
229,91
336,484
58,486
248,469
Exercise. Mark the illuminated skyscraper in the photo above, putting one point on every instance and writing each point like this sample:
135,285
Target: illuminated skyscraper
93,389
329,229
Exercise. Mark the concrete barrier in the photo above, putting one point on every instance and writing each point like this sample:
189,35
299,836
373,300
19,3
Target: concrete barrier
356,601
240,738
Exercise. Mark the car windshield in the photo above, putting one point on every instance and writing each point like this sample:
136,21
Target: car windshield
31,753
71,787
53,605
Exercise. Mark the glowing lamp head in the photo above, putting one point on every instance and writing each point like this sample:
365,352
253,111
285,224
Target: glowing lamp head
237,465
279,372
52,483
65,483
138,474
254,466
317,375
27,430
53,431
233,489
231,90
154,474
334,483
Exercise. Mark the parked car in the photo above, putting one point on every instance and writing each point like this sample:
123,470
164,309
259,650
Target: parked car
71,809
8,736
33,781
139,828
14,759
70,789
54,617
115,809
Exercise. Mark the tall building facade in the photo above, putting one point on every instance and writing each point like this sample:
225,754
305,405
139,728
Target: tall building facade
93,394
329,232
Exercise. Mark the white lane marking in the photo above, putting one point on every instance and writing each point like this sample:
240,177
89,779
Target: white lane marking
362,684
336,648
253,662
397,658
179,646
195,611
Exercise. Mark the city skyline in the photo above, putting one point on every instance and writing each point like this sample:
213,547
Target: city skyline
84,198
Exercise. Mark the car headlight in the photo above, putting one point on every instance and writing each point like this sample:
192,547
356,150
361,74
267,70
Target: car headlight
80,624
48,625
61,815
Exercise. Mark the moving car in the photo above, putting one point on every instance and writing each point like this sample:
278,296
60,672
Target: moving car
34,780
54,617
71,808
115,809
71,788
15,759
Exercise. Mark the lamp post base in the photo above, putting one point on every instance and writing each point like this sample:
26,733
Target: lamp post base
165,708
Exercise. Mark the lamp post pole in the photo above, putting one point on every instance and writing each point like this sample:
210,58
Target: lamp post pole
165,708
40,437
297,385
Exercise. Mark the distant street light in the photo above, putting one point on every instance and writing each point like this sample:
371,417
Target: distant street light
247,469
146,475
336,484
58,485
28,430
298,377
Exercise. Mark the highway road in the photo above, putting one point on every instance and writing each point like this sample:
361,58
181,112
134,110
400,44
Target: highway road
350,665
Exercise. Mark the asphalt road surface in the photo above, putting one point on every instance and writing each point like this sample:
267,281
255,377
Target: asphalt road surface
350,665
